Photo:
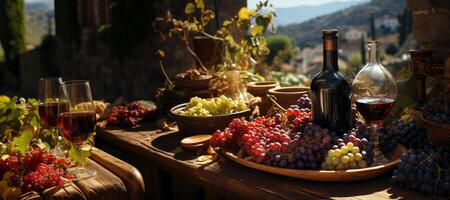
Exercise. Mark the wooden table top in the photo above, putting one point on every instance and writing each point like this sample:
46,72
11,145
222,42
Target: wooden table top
227,176
115,179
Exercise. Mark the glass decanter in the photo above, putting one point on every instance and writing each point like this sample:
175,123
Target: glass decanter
374,92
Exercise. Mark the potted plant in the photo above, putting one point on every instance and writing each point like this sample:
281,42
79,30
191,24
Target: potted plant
241,42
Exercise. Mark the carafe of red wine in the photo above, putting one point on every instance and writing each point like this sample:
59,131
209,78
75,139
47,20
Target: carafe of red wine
330,91
374,91
374,88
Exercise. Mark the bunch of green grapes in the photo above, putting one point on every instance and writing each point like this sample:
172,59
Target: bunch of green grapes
346,157
199,107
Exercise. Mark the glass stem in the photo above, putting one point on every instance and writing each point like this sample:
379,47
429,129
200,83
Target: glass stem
378,157
57,149
81,161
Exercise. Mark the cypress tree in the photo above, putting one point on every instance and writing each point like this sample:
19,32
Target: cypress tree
373,31
363,50
405,25
12,32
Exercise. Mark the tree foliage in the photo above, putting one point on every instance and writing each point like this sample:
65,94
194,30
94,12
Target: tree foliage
12,32
391,49
363,50
279,44
373,31
354,63
405,26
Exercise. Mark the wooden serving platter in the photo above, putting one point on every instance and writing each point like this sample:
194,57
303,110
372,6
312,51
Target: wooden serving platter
327,175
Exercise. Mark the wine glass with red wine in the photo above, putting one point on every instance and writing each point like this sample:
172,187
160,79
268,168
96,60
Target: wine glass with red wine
78,123
49,107
374,92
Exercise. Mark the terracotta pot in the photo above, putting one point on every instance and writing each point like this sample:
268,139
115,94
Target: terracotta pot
261,89
203,125
438,133
287,96
209,50
200,84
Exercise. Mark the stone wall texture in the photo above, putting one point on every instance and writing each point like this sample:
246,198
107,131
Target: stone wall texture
431,25
134,77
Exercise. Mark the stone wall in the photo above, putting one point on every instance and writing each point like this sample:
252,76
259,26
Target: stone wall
431,25
134,77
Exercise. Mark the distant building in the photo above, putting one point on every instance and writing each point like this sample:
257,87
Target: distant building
355,34
386,23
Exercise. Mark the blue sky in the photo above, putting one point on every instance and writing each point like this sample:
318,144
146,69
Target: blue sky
291,3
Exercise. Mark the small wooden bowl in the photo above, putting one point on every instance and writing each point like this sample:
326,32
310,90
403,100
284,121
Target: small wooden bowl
203,125
327,175
438,133
287,96
200,84
261,89
433,69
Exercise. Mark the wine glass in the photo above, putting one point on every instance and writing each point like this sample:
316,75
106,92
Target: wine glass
374,92
49,107
78,123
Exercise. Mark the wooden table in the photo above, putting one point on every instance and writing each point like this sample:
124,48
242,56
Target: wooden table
115,179
173,173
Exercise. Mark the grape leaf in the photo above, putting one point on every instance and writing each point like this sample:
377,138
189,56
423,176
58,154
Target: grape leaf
189,9
21,143
74,156
243,14
200,4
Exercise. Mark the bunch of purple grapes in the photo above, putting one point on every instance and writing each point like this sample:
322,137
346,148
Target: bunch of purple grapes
406,132
437,110
303,102
425,170
313,147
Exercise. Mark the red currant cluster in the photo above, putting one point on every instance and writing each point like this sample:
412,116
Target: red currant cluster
40,170
128,116
11,164
45,176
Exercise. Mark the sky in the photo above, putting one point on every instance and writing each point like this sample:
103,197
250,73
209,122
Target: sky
292,3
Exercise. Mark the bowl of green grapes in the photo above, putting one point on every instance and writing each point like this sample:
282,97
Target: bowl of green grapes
205,116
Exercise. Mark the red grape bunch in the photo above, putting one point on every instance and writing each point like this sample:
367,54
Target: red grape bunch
128,116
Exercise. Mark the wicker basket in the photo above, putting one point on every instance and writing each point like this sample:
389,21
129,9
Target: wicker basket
203,125
261,89
438,133
287,96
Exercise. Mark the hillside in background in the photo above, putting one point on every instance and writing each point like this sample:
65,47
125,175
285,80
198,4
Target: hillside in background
37,21
309,32
302,13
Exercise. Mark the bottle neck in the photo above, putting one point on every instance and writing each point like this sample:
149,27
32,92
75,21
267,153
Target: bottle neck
373,52
330,55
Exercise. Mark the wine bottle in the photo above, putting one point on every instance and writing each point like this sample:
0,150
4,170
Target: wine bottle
330,91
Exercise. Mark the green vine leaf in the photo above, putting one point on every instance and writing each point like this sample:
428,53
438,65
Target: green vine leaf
243,14
200,4
189,9
74,156
20,144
